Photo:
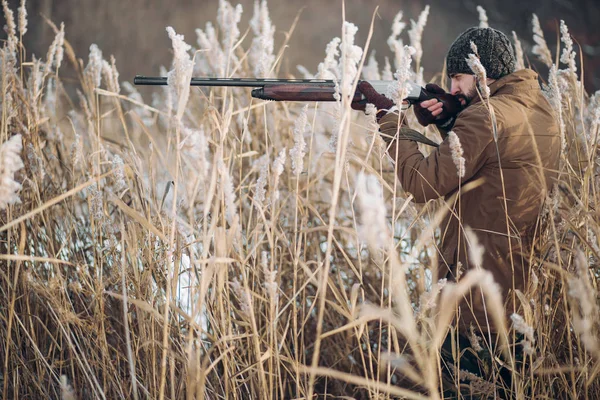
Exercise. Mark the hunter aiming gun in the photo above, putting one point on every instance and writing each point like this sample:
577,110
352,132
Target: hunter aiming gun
301,90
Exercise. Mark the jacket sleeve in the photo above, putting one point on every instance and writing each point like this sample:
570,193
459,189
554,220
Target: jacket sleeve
436,175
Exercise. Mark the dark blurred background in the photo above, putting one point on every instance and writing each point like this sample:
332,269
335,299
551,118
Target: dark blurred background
134,30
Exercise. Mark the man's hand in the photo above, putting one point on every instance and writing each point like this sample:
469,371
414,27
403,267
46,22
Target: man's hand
441,112
382,103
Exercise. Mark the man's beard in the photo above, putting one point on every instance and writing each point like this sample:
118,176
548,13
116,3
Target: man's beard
469,96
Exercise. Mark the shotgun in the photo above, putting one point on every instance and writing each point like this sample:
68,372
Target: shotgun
291,89
303,90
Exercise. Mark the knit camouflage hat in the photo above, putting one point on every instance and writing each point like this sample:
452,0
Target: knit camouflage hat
494,48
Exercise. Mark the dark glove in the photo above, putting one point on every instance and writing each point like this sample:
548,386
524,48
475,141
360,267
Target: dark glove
382,103
451,107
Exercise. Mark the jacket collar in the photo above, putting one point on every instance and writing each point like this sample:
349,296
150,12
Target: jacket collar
520,80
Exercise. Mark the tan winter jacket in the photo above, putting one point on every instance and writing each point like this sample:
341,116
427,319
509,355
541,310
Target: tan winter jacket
527,151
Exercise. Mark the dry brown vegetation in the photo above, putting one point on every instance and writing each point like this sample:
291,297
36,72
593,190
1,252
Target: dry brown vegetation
164,250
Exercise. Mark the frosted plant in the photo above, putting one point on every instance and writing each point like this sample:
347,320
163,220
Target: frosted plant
329,67
11,30
22,18
373,229
415,33
35,84
306,74
66,391
135,95
49,105
585,307
337,116
10,163
195,152
297,153
93,70
261,52
386,74
244,298
474,339
278,167
552,92
76,151
568,55
35,162
419,77
483,19
398,90
479,71
593,118
475,383
370,71
349,60
523,328
261,182
227,188
95,202
540,48
428,299
457,154
111,75
228,19
60,48
371,114
178,78
207,41
270,277
476,250
395,43
520,64
119,174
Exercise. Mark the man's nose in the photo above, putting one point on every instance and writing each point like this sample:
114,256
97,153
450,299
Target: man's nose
454,89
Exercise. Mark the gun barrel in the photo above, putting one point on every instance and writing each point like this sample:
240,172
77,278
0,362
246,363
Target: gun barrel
232,82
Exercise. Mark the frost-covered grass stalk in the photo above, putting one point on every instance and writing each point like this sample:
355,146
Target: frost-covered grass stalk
479,71
398,90
207,265
415,33
350,56
261,51
10,163
457,154
299,150
483,19
395,43
372,211
22,18
520,62
178,78
540,48
568,55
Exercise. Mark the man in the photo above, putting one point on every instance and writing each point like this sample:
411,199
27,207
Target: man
504,181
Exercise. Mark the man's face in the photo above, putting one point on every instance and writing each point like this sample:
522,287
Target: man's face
463,87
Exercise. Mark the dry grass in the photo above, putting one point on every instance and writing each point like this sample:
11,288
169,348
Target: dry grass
157,257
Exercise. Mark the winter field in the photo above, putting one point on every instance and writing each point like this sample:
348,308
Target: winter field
202,244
